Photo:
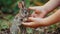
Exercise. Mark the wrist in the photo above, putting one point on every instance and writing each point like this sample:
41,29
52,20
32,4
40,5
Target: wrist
44,9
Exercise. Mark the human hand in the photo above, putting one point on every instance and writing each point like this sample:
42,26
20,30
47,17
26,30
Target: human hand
33,22
38,11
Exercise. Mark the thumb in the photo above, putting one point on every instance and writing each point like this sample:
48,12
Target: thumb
32,19
32,8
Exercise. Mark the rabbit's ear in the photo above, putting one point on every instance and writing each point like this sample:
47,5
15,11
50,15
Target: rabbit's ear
20,4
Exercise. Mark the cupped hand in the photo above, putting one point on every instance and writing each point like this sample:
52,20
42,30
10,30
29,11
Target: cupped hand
33,22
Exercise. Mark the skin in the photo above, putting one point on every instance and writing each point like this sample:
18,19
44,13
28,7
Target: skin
37,20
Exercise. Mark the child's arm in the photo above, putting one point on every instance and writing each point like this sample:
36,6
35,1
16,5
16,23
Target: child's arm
53,18
50,5
37,22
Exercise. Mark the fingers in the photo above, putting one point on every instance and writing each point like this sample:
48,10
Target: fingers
37,19
32,18
34,24
33,14
27,24
34,8
30,24
36,13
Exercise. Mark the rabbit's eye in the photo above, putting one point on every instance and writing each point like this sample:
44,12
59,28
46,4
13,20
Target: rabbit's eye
25,12
21,19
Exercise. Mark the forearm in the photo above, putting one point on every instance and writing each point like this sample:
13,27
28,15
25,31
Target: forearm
51,19
50,5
